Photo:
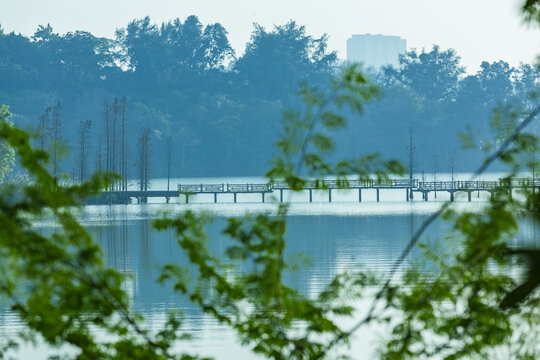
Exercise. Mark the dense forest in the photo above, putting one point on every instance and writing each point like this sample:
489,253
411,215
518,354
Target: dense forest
179,88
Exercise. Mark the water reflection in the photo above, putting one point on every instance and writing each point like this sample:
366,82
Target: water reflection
333,243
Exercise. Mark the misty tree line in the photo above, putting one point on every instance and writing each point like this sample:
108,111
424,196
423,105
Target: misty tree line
221,111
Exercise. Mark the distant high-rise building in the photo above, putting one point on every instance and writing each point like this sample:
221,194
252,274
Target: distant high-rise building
375,50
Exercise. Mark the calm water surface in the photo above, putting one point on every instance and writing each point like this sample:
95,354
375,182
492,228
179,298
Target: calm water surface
343,235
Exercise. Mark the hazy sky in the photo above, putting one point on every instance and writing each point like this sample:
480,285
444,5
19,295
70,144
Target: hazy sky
478,29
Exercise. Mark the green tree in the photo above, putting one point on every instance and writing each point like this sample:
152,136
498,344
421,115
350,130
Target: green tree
7,154
276,62
531,11
432,75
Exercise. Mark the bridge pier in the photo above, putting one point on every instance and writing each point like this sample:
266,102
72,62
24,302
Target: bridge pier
215,197
377,195
310,195
359,195
426,196
262,197
234,197
407,194
329,195
411,194
469,196
280,195
451,195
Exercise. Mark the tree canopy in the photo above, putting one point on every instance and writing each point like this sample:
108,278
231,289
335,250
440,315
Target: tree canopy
182,78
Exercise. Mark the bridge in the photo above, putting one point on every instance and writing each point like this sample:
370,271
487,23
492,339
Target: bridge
411,186
452,187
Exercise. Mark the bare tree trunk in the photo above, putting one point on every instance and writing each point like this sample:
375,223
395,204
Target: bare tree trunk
44,128
169,162
106,119
99,155
114,167
124,152
56,136
84,135
144,161
411,163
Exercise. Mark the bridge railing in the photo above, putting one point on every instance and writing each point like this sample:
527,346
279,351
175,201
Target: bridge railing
365,184
261,187
457,185
520,182
248,188
201,188
223,188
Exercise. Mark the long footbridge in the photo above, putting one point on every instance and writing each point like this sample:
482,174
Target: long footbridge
412,188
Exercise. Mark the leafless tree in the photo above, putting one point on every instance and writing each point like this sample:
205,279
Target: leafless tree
43,129
145,152
56,134
84,144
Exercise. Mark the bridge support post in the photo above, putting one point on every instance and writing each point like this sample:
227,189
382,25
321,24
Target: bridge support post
451,196
215,197
234,197
262,197
469,196
359,195
329,195
411,194
280,195
426,196
377,195
407,194
310,195
167,200
435,194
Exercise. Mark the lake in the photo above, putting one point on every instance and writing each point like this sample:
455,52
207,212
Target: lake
338,236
